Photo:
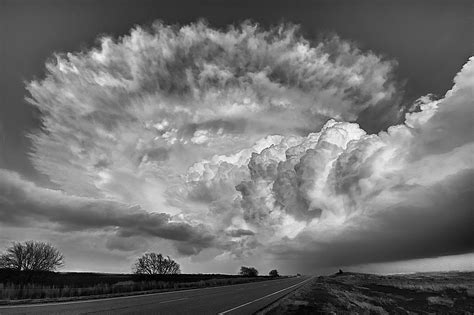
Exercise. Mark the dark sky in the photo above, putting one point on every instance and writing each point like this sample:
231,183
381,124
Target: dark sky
430,39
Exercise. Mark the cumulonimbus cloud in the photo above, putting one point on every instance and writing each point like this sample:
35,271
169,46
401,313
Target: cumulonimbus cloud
152,103
249,135
342,191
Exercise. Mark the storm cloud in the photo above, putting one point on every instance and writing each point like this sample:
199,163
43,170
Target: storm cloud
152,103
245,142
342,196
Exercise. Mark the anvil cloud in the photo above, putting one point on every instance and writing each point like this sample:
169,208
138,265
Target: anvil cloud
245,141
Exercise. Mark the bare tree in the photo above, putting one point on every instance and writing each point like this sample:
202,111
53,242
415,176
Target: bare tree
248,271
32,256
273,273
156,264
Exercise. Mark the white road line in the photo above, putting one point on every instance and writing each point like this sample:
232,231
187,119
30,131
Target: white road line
173,300
46,304
237,307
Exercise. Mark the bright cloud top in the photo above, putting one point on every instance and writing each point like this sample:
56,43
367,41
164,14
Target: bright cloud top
243,140
152,103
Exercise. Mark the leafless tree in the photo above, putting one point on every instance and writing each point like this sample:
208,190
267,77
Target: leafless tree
32,256
273,273
156,264
248,271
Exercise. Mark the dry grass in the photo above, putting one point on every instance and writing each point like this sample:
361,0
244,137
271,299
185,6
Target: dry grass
352,293
10,292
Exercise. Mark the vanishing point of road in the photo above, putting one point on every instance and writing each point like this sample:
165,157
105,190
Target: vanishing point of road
244,298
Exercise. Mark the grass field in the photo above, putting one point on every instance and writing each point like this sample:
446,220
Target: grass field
34,286
354,293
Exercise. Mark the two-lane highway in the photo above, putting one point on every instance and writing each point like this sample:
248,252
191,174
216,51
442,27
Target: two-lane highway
244,298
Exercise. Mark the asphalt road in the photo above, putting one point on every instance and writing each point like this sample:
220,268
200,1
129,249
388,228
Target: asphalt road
234,299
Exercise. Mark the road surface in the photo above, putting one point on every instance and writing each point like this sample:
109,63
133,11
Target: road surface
244,298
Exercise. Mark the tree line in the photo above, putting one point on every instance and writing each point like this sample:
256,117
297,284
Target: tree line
42,256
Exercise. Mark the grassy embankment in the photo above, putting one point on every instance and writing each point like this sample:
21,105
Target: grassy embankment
355,293
46,286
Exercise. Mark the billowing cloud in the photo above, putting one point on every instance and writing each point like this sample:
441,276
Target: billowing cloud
405,193
137,111
342,196
244,142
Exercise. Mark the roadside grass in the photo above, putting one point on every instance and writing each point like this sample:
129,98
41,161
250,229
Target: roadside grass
355,293
58,287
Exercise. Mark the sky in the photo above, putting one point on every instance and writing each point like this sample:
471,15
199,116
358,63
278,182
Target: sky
303,136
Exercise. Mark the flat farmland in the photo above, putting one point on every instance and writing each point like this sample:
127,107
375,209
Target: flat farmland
356,293
32,287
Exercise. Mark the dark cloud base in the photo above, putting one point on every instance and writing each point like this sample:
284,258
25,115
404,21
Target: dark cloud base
405,231
23,204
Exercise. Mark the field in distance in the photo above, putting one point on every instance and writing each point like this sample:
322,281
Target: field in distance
54,286
447,293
